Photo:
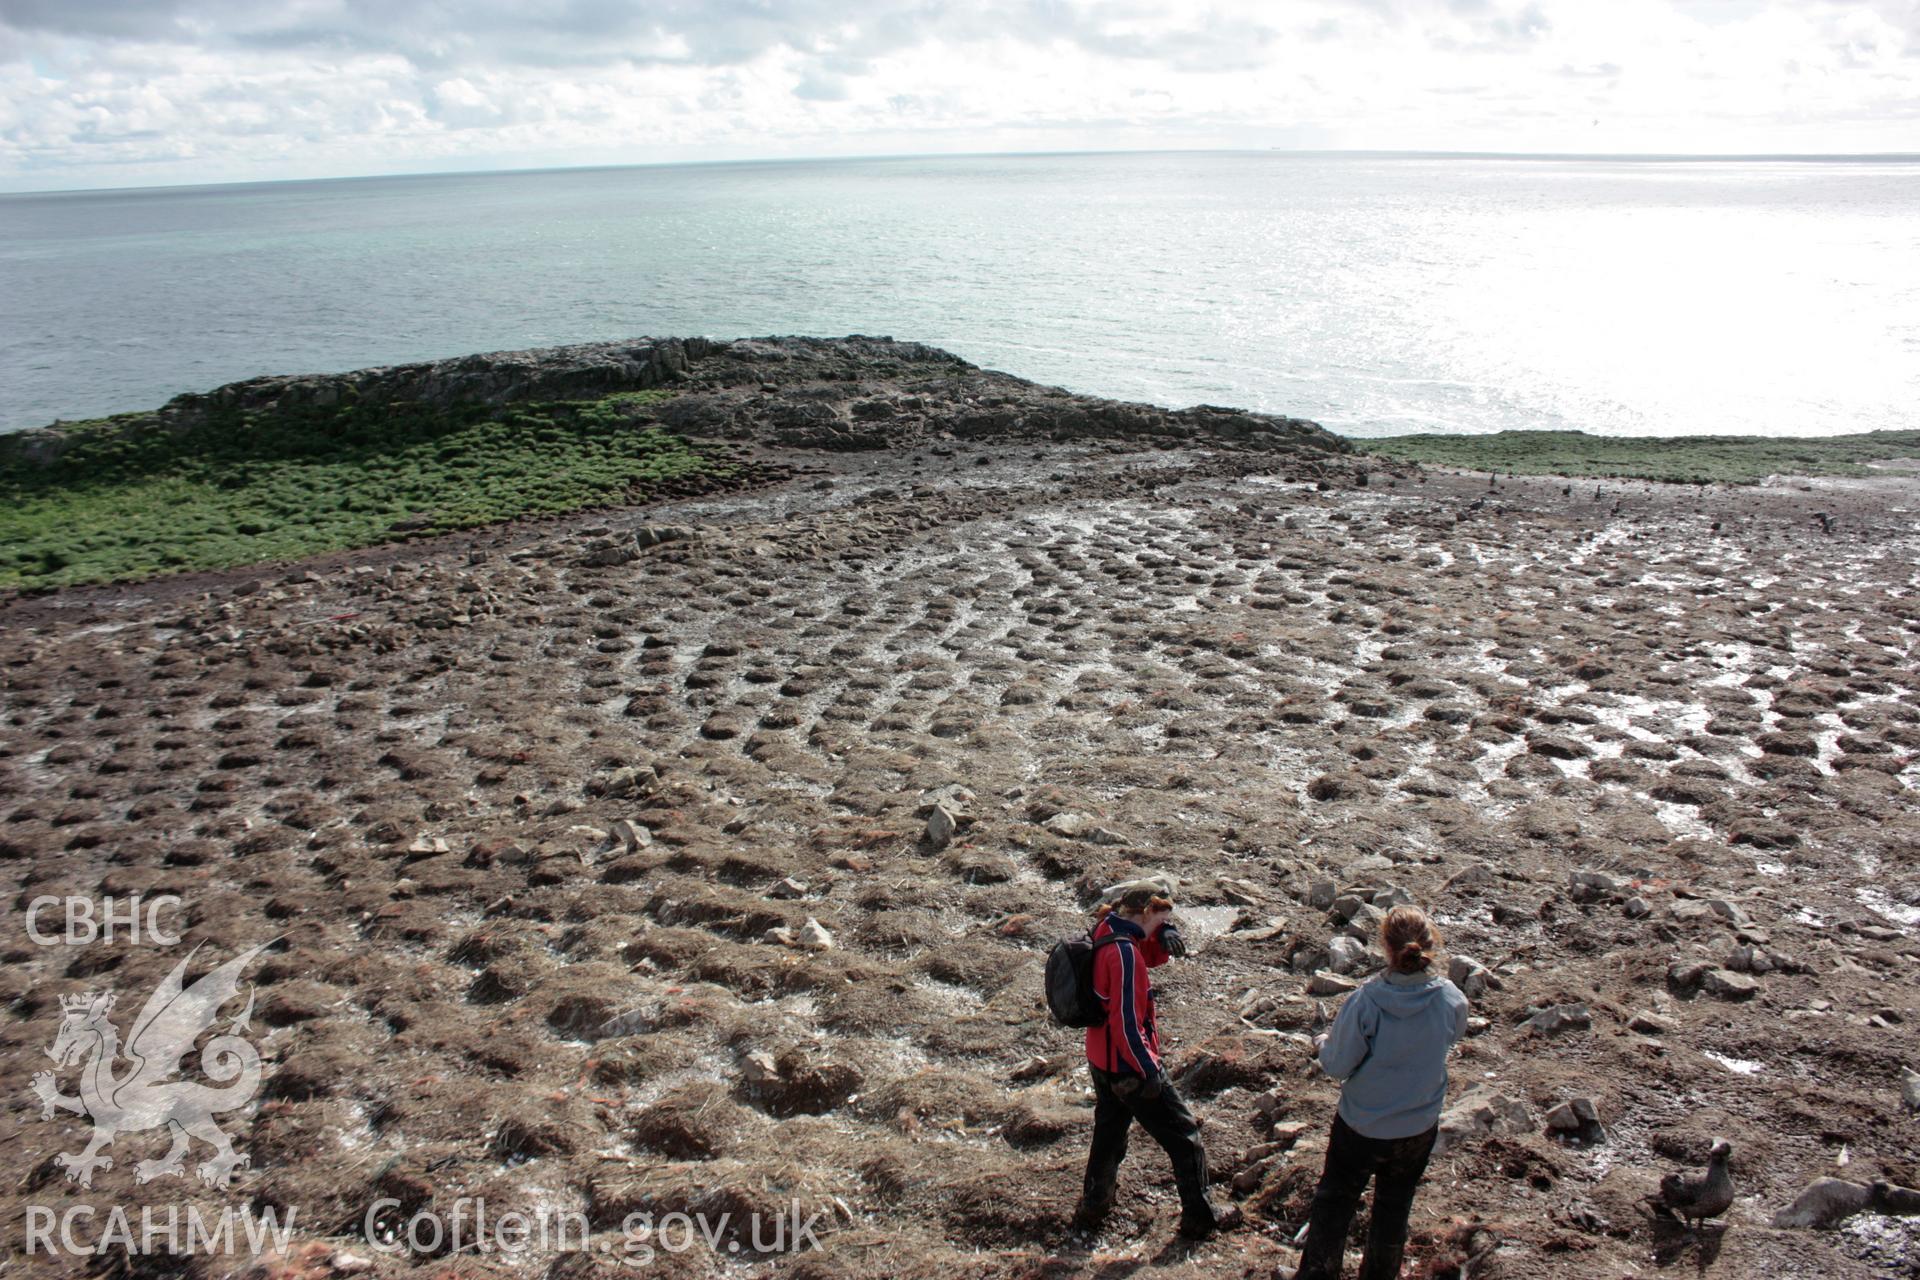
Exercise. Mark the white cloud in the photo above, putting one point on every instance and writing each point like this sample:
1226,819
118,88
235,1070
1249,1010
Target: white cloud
111,92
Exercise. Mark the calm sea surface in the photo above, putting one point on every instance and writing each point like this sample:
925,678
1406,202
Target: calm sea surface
1375,295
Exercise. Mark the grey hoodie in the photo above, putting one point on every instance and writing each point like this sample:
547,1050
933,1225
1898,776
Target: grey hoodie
1389,1043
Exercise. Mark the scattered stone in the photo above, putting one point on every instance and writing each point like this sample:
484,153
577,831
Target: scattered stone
1479,876
1910,1088
1647,1024
813,936
630,836
788,889
1320,894
1482,1112
941,826
1472,977
653,535
1070,825
1685,974
602,554
1365,865
1327,984
1592,886
1287,1132
1727,911
1746,958
1873,932
1728,985
1577,1118
1558,1020
1348,955
1712,909
1240,893
1306,957
629,780
1515,913
1364,925
1392,896
593,838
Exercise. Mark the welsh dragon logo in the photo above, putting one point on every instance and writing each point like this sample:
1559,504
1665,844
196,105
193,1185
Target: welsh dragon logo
141,1096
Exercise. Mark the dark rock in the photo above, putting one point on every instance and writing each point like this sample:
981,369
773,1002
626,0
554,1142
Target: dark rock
1558,1020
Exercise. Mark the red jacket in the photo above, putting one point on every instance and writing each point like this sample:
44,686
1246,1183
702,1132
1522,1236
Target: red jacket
1128,1042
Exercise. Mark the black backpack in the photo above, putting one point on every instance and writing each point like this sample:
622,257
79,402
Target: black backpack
1070,995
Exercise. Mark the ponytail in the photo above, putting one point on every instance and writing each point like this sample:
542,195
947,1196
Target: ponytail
1409,939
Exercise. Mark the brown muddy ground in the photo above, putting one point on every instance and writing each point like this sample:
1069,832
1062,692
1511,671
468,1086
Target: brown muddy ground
404,763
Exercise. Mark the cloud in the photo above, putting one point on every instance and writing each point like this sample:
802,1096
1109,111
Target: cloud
821,86
106,18
194,90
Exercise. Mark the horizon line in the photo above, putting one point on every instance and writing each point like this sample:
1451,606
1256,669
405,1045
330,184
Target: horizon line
1639,157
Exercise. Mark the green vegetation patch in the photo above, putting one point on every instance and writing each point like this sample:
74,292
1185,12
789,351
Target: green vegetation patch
131,499
1676,459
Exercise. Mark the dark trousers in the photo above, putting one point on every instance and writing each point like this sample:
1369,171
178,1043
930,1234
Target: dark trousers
1166,1119
1395,1165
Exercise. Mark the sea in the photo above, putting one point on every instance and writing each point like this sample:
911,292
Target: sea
1375,294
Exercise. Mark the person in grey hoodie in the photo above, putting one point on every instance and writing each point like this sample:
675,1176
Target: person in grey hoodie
1389,1044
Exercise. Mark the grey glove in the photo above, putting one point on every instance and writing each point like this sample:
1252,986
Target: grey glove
1170,939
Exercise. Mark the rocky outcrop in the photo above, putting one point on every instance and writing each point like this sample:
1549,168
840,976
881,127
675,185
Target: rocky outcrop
578,372
826,393
874,393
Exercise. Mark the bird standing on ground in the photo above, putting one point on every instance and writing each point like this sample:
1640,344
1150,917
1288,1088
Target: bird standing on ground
1695,1197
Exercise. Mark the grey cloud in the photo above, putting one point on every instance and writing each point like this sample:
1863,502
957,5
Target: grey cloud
444,36
1498,33
127,19
1224,46
816,86
439,33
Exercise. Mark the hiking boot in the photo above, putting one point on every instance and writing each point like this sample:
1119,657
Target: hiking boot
1199,1223
1096,1202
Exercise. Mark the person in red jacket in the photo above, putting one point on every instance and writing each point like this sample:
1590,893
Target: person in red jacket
1123,1056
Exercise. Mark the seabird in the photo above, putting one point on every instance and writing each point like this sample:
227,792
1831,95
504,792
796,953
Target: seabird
1698,1196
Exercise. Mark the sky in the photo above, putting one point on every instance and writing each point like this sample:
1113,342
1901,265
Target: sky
122,93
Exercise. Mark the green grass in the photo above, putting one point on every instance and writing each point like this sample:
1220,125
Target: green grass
130,500
1678,459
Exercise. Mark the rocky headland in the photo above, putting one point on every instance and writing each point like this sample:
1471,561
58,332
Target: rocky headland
701,853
